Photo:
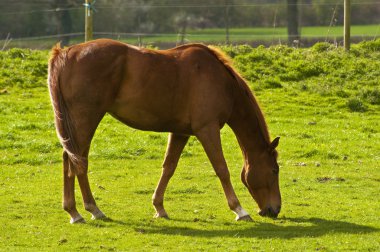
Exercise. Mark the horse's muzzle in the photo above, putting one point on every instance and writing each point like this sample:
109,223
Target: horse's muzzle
270,212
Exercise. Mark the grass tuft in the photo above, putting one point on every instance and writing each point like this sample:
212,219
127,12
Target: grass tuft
356,105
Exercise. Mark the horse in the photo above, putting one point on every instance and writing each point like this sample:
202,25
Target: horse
189,90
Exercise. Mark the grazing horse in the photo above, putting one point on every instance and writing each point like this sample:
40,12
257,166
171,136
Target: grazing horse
189,90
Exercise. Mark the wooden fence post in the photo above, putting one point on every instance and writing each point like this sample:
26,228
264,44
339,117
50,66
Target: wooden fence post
227,21
293,23
88,20
347,24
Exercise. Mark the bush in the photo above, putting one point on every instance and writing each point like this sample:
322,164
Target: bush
372,96
272,83
322,47
373,45
23,68
356,105
15,53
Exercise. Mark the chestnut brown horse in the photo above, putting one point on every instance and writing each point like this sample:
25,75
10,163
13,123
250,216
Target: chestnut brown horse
188,90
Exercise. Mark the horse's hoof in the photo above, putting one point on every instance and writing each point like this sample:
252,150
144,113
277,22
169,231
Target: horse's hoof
98,216
77,220
161,216
244,218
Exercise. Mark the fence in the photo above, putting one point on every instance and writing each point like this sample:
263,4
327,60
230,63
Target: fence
192,23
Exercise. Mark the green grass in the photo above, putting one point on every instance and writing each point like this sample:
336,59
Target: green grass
329,161
215,35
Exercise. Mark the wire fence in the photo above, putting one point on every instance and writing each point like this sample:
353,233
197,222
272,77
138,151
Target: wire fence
272,32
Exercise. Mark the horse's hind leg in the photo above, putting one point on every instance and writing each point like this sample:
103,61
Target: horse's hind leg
86,121
85,130
176,143
68,192
88,198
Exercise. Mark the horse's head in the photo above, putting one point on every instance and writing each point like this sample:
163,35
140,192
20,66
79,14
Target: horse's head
261,179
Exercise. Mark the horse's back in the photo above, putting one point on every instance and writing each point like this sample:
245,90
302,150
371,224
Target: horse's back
175,90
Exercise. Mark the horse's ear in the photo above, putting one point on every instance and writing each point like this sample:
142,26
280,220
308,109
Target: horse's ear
274,144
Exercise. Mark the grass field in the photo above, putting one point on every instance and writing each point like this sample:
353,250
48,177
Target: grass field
279,33
328,117
267,35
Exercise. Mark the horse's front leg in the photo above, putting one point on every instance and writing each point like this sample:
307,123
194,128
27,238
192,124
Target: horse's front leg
176,143
209,136
69,193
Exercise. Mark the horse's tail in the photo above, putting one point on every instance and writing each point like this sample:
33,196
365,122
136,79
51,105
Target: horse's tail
63,122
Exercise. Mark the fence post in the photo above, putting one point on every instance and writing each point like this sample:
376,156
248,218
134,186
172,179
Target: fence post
293,22
227,21
347,24
88,20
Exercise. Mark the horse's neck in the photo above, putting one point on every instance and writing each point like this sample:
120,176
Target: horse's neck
246,126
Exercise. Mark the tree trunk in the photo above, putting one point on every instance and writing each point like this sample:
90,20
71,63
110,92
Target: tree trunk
293,29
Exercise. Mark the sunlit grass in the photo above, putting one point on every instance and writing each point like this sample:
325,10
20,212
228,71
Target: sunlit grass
329,177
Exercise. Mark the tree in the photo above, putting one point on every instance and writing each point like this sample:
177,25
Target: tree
293,30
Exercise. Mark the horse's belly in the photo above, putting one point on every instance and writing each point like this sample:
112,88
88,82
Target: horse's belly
154,119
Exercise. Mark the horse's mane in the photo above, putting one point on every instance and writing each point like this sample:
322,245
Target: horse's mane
227,62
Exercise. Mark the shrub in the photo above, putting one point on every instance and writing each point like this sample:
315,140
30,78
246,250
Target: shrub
272,83
15,53
322,47
372,96
342,94
373,45
356,105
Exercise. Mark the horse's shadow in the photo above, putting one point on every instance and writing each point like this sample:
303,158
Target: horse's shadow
294,228
297,227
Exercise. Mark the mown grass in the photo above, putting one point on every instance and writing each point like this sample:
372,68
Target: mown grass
236,35
329,161
275,33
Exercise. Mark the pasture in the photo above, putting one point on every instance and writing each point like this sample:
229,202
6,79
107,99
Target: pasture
322,101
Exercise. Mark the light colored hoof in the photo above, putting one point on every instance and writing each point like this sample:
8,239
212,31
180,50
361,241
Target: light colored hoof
244,218
77,219
158,215
99,215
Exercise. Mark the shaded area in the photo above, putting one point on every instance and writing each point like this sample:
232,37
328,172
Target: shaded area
293,228
282,228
